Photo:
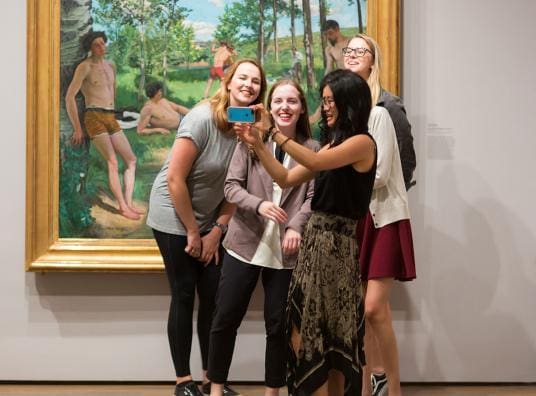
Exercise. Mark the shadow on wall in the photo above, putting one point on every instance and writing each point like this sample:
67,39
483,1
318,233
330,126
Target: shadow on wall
83,303
479,291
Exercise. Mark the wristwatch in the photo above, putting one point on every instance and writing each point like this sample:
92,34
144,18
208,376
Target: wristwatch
222,227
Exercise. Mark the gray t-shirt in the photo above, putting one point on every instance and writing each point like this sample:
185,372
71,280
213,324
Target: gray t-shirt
205,180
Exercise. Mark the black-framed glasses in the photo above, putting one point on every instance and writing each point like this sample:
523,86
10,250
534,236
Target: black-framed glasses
328,101
359,52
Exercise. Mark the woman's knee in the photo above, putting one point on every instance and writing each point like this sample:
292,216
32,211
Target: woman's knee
376,312
274,324
227,318
184,295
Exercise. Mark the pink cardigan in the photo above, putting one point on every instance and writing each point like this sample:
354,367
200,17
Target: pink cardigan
247,185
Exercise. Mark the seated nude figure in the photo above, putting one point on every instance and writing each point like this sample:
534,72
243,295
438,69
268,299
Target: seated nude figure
158,114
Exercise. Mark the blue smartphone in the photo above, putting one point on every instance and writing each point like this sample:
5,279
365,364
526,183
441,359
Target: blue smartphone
240,114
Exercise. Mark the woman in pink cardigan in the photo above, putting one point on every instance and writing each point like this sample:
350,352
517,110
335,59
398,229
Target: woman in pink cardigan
262,240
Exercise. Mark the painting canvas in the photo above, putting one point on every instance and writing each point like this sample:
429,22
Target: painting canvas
79,223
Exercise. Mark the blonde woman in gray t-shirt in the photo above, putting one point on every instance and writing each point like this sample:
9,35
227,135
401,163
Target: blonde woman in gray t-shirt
189,214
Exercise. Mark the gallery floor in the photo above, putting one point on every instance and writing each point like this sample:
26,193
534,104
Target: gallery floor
251,390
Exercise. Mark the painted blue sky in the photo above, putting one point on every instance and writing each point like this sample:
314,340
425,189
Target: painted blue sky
204,16
205,13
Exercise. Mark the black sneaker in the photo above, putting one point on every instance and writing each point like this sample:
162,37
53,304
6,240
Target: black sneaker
188,388
379,384
226,390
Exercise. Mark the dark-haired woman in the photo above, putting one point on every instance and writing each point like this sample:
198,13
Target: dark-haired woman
263,240
189,214
325,306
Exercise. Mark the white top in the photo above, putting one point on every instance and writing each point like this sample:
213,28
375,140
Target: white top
389,201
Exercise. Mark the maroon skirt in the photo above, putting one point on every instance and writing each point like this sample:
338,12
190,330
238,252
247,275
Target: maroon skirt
386,252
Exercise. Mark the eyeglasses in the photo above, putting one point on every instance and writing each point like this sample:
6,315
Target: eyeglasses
328,101
359,52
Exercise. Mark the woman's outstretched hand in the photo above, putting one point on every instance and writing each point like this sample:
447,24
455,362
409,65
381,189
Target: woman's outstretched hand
253,134
248,134
262,117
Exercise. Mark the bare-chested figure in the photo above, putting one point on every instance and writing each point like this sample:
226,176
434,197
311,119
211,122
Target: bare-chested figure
95,78
223,57
158,114
334,57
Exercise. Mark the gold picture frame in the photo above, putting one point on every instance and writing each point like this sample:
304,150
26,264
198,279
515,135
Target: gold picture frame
45,251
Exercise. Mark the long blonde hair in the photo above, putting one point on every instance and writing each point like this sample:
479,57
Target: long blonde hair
221,99
374,77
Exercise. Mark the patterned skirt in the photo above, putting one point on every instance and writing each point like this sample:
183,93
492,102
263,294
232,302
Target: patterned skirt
326,307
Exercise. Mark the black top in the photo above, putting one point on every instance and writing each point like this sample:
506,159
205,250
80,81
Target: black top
344,191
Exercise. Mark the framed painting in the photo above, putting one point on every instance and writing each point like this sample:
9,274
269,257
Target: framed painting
85,207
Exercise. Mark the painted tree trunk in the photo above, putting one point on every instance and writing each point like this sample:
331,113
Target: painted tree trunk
260,44
359,16
322,20
171,19
75,22
292,24
274,29
141,85
74,209
308,44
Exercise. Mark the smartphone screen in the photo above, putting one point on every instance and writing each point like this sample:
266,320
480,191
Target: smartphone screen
240,114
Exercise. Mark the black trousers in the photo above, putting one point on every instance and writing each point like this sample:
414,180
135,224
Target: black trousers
184,274
237,283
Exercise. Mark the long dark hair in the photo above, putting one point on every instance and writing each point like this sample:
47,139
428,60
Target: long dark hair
353,100
303,128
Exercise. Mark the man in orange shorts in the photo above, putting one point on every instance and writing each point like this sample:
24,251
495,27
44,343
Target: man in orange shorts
95,78
223,57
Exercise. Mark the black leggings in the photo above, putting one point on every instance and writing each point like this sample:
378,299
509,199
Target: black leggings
238,280
184,273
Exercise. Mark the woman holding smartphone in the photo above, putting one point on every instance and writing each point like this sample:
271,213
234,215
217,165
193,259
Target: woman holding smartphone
325,304
263,240
189,214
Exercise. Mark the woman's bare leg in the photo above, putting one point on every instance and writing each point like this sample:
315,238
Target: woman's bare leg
378,315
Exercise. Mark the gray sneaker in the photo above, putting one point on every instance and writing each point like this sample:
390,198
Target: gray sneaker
188,388
379,384
226,390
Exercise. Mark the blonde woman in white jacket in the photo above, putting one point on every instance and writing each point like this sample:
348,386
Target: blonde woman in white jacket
386,244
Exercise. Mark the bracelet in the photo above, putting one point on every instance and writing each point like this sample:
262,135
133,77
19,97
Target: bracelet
286,140
222,227
272,131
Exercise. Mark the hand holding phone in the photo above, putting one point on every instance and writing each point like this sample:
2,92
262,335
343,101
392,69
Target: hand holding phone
240,114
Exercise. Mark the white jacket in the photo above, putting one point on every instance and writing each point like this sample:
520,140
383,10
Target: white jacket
389,201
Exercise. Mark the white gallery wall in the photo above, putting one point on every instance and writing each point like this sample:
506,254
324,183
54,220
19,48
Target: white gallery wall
469,84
